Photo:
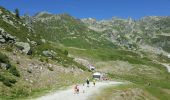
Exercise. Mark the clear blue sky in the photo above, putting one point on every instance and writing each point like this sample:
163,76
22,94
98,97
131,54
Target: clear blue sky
100,9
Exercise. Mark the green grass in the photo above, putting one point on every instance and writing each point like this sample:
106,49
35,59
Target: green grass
124,91
76,43
158,93
157,81
141,79
61,55
70,32
99,50
107,93
160,82
8,76
4,58
11,77
12,69
103,54
152,85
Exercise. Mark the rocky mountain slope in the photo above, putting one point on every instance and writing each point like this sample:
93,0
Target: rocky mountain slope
48,51
29,64
133,34
68,30
148,33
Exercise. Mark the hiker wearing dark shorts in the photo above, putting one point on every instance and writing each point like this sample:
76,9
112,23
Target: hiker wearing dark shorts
88,82
94,82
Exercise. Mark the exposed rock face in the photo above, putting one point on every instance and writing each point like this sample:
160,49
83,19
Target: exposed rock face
2,40
1,12
169,56
7,19
9,37
25,47
4,66
131,34
6,37
2,30
84,62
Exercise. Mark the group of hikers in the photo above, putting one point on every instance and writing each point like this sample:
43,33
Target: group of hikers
77,88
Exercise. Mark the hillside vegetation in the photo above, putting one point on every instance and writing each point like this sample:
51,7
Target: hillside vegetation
38,54
27,61
69,31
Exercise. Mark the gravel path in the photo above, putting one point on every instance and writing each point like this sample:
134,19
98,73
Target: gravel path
167,66
69,93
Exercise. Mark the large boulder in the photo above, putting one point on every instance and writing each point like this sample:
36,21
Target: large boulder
8,20
4,66
1,12
169,56
10,37
6,37
1,30
47,53
2,40
24,47
43,40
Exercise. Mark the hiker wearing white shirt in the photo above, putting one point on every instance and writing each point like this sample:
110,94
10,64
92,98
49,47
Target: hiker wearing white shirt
83,88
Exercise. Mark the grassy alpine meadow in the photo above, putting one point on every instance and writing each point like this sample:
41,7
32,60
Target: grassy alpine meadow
153,84
128,91
149,76
46,52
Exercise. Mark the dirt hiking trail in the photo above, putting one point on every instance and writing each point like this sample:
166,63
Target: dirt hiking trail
69,94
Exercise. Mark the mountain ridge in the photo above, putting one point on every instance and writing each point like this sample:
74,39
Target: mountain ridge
48,52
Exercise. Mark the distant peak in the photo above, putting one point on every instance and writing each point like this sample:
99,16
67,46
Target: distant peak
41,14
88,20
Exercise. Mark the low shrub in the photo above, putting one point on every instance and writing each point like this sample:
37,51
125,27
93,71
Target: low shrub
17,62
47,61
7,81
29,70
9,48
3,58
14,71
50,68
41,60
66,52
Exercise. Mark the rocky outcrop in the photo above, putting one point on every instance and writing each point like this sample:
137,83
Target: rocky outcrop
169,56
8,20
47,53
43,40
2,40
24,47
6,37
4,66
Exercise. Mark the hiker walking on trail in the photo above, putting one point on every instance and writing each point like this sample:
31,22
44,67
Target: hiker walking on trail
88,82
76,89
94,82
83,88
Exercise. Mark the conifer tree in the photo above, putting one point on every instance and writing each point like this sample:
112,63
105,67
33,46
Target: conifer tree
17,13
